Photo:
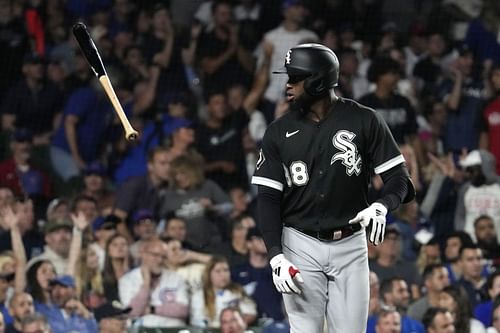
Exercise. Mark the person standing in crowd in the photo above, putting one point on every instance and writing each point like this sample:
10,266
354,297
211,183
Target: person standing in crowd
220,141
463,95
279,40
393,107
480,194
490,119
20,174
158,296
223,58
32,102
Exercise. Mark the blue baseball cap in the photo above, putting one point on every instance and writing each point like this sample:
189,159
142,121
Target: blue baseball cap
102,221
143,214
289,3
22,135
95,168
64,280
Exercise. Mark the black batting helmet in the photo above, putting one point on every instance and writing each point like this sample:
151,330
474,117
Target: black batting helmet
316,63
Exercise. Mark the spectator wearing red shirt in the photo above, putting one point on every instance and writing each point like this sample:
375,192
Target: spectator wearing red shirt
17,172
490,120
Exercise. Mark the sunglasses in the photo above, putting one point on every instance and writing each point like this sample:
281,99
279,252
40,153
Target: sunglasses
8,277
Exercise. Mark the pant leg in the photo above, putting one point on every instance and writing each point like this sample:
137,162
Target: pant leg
348,286
306,312
63,163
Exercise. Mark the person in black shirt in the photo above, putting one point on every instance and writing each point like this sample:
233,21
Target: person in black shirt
394,108
32,102
313,173
222,57
220,140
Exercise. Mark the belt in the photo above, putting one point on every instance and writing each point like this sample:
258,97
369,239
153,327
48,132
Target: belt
332,235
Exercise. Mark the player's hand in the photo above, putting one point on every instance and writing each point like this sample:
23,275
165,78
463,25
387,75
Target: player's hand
375,214
285,274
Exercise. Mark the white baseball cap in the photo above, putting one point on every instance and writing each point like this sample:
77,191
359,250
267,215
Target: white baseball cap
472,158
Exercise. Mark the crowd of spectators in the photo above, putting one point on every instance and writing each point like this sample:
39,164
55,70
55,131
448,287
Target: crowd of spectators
101,234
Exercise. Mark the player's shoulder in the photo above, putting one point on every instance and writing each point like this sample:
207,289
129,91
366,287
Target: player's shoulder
360,109
283,121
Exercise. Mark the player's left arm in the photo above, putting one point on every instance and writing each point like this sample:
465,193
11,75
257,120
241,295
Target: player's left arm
389,163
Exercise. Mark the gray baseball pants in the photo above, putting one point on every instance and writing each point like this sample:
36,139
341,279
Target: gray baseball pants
336,283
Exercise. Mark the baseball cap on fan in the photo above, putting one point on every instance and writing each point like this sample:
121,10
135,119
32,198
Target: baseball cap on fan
472,158
290,3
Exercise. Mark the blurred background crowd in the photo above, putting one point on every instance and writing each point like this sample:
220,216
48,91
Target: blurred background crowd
101,234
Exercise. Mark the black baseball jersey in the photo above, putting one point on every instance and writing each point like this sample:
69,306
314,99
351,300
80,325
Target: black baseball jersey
323,169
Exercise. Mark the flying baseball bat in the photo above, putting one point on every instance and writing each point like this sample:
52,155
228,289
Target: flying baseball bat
94,59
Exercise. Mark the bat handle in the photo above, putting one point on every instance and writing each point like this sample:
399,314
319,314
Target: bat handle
130,133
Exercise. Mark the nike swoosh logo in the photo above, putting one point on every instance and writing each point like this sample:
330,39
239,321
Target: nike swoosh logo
292,133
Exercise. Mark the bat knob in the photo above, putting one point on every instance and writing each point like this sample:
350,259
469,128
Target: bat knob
132,136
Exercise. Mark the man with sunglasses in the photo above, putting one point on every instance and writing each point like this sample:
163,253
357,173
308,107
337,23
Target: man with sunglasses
313,172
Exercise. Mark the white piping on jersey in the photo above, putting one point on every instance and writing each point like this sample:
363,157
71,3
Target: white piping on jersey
267,182
291,133
389,164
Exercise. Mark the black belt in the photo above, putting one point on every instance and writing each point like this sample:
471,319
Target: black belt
332,235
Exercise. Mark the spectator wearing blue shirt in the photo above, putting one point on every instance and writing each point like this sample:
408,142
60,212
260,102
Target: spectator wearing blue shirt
255,276
65,313
484,311
472,280
394,294
84,132
464,97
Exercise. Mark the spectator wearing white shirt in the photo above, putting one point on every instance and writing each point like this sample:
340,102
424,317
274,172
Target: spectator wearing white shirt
156,295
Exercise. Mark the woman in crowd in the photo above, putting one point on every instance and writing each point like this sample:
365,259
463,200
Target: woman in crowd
116,264
454,299
199,201
39,275
89,279
219,292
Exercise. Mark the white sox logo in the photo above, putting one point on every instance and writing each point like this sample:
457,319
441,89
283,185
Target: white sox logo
288,57
342,140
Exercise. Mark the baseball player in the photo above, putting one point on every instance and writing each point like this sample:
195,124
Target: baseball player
313,173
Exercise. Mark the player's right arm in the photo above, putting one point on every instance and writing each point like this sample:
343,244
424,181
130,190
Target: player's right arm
270,178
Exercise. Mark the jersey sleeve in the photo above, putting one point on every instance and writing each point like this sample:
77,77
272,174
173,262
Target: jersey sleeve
269,168
383,150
